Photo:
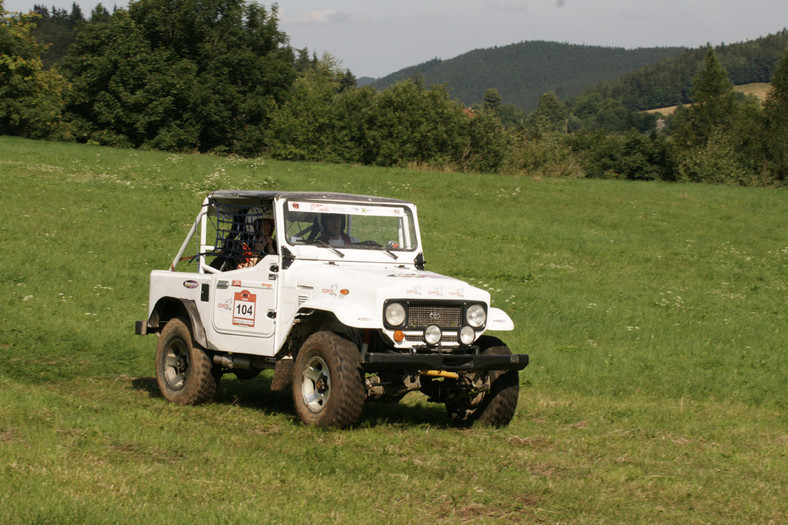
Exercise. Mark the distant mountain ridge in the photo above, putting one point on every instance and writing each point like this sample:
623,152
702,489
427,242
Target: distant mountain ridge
669,81
522,72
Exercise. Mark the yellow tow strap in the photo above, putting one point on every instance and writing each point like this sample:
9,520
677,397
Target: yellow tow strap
439,373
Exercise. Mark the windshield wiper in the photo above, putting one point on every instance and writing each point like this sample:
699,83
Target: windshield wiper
333,249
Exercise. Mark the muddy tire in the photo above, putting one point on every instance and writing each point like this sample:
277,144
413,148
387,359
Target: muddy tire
494,408
328,383
184,373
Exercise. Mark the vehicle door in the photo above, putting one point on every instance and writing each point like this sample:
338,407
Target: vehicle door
244,301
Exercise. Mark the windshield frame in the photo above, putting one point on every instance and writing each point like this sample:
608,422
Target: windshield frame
310,227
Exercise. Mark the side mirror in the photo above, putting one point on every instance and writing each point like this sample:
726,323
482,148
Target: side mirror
419,261
287,258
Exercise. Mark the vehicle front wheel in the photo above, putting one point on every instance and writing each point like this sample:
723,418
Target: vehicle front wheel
184,373
495,407
328,383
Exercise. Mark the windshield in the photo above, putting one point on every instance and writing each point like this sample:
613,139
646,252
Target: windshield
350,226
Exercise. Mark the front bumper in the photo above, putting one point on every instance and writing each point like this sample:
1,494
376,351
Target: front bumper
453,362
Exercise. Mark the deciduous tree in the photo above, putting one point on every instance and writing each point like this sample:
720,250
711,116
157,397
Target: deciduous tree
550,114
180,74
31,99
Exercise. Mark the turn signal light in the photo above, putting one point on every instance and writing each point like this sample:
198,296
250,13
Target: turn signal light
399,336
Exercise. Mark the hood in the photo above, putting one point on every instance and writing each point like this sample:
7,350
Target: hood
386,282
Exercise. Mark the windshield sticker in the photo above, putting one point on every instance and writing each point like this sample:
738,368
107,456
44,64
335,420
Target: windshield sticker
346,209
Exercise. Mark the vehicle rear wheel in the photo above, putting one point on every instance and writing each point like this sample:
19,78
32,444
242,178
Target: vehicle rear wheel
328,383
495,407
184,373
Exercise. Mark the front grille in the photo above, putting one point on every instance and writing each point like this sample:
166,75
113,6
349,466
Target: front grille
444,316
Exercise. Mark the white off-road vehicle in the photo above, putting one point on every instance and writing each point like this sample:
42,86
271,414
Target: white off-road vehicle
330,291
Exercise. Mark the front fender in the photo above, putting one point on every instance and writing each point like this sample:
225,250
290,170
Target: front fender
498,320
349,314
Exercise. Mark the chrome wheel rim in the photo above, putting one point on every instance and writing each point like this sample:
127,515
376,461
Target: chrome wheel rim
316,384
176,364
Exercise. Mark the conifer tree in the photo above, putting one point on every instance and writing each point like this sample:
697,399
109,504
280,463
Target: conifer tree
713,105
712,92
492,100
776,119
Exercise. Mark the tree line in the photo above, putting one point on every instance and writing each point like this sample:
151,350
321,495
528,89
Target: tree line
220,76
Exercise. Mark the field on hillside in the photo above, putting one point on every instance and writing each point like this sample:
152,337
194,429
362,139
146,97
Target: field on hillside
654,315
759,89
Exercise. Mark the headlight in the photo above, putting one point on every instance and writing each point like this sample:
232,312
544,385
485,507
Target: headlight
467,335
395,314
476,316
432,335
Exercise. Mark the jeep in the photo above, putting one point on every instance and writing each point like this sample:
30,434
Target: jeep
330,291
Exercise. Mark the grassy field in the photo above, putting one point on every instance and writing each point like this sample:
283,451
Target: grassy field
759,89
654,315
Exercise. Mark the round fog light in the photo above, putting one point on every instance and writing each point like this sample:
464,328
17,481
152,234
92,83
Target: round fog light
467,335
432,335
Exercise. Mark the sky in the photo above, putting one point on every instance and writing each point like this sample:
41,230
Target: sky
373,38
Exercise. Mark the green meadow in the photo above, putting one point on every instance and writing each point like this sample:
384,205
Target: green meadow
654,315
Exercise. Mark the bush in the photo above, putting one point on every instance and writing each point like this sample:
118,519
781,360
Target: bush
630,155
488,143
716,162
548,155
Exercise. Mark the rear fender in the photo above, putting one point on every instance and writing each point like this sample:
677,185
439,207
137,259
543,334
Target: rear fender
169,307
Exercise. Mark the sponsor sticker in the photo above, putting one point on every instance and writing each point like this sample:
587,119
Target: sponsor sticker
226,305
190,284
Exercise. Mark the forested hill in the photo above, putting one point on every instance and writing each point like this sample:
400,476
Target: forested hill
669,81
523,72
